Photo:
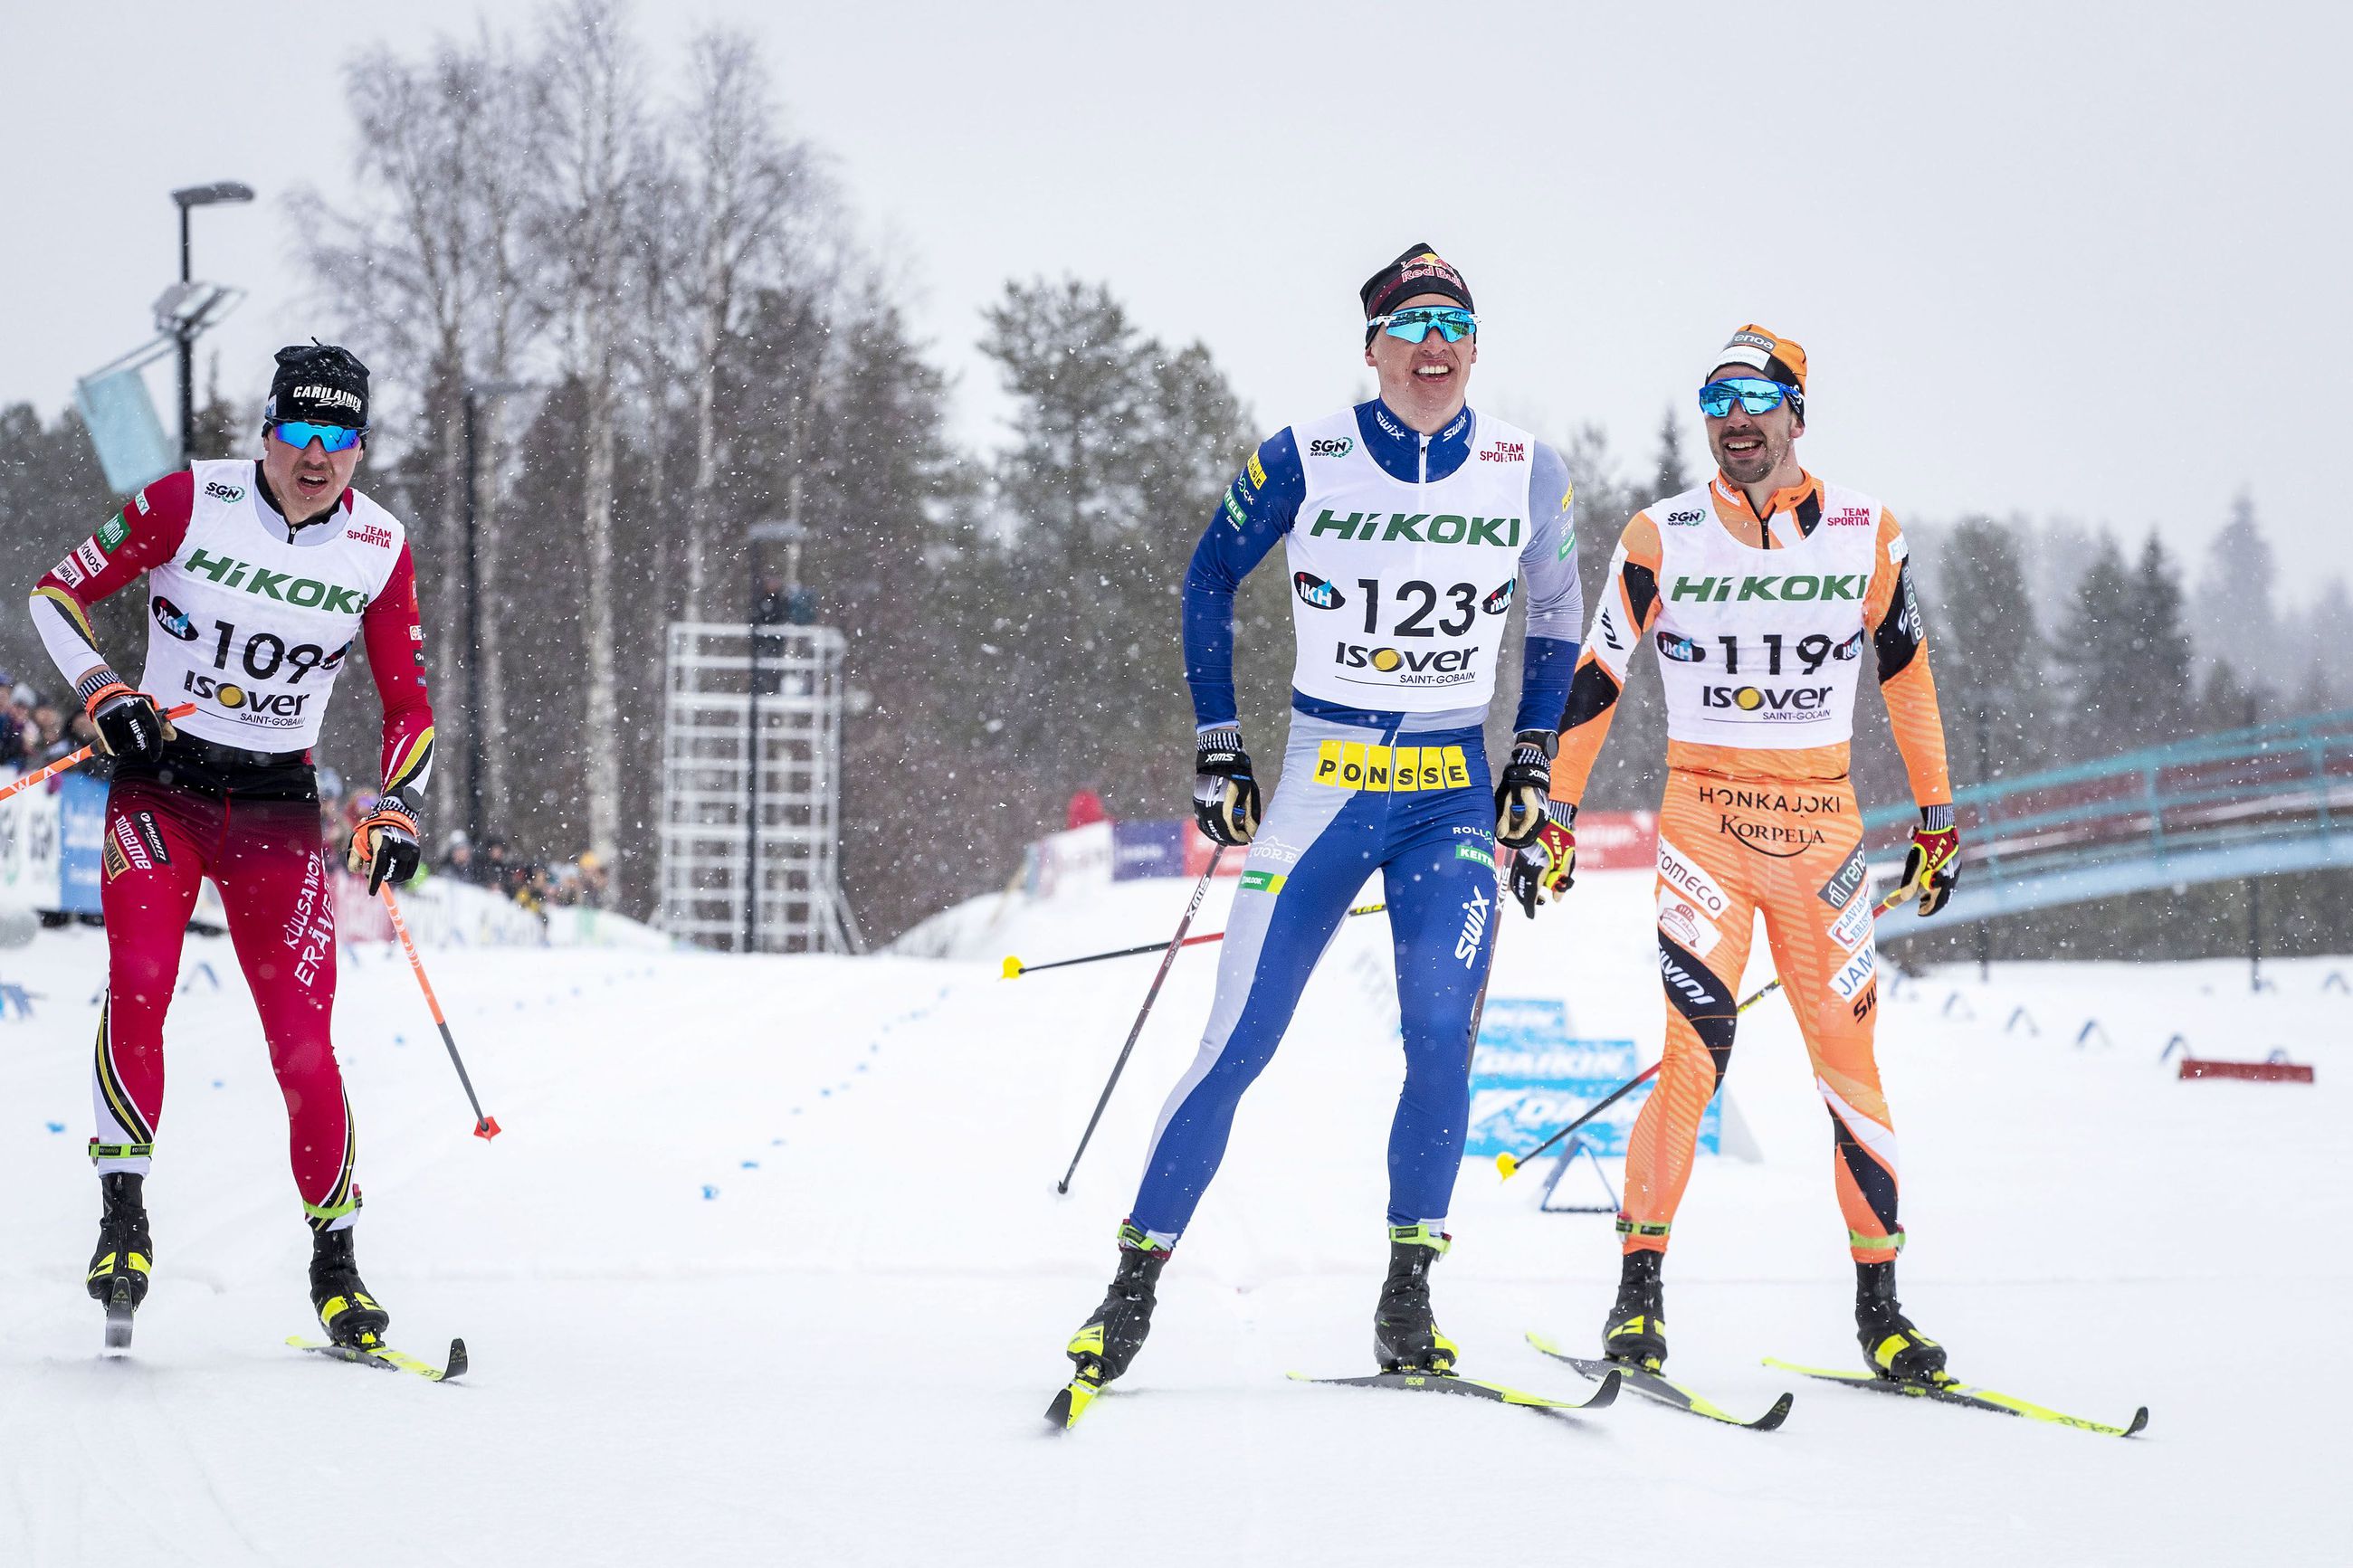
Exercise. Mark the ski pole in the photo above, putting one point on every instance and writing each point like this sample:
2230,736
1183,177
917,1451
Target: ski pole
74,759
1192,907
1015,969
1509,1162
485,1127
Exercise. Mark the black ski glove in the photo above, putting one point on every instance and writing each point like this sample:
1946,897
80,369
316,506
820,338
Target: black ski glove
130,727
383,845
1525,786
1224,790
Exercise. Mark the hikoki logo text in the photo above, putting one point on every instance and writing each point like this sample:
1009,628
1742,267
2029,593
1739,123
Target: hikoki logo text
1419,528
1793,588
303,593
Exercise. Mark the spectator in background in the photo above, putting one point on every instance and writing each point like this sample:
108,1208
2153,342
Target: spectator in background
595,883
1086,808
52,726
22,735
458,856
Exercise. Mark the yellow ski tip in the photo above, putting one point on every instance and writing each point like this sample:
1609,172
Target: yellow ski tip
1506,1164
1012,967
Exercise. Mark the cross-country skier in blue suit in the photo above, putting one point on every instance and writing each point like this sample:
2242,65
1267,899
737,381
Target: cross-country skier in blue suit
1410,524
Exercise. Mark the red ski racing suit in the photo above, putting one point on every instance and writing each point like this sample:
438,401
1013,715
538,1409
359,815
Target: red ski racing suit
251,620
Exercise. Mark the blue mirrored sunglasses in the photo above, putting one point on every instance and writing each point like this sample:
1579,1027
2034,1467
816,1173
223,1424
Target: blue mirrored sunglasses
1755,393
1453,323
301,433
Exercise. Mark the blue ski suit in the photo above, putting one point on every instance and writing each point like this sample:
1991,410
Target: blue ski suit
1407,552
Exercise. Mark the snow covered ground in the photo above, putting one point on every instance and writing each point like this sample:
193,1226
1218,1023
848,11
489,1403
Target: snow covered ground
768,1268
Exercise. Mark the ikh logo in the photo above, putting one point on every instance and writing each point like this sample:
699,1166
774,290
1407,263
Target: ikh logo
1475,927
1496,603
1683,650
1790,703
1423,666
1316,593
169,617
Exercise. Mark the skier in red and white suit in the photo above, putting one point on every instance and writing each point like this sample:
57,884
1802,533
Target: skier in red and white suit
260,577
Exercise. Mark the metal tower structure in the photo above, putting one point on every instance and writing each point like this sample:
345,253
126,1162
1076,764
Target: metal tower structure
752,789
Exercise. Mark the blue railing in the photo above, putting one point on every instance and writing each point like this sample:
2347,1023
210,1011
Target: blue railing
2241,802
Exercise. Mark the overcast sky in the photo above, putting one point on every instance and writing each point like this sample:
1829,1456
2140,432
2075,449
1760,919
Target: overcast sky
2066,259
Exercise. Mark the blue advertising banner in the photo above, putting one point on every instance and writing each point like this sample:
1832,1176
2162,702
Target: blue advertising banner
1529,1075
81,837
1147,849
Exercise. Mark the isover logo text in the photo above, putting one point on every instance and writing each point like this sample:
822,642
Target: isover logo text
1423,667
1419,528
277,704
1787,702
303,593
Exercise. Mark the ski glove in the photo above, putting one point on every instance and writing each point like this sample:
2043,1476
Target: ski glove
1526,788
1224,790
1549,864
383,845
1934,862
130,726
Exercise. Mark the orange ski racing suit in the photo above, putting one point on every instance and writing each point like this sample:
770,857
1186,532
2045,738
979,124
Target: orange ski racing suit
1759,650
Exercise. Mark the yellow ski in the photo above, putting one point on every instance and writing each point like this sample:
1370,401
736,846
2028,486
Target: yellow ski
1952,1391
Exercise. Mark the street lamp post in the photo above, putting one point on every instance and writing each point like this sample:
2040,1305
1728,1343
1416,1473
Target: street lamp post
187,199
475,395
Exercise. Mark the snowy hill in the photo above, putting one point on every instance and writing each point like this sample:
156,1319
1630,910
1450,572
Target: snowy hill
768,1265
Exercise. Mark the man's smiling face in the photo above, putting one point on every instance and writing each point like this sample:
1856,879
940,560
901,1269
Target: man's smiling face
1748,447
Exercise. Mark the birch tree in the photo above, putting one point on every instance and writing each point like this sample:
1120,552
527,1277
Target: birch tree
591,97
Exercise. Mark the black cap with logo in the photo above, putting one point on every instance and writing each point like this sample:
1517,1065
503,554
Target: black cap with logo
1418,270
320,383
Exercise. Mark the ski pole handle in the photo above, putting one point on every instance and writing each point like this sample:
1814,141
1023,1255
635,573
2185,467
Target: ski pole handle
485,1127
1015,969
75,759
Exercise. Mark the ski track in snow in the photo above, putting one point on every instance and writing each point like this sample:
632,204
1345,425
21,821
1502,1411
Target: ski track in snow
840,1354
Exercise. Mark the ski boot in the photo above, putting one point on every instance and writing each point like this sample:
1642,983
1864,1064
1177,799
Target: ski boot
119,1268
1405,1334
1892,1347
346,1310
1108,1340
1636,1333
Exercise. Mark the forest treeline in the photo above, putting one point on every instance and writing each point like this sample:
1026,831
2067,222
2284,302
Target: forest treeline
696,339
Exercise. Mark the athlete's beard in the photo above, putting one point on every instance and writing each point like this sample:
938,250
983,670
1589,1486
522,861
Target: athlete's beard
1752,466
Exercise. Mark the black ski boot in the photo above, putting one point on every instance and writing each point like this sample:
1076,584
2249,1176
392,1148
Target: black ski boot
1636,1332
1892,1347
1107,1342
346,1310
1405,1334
118,1268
